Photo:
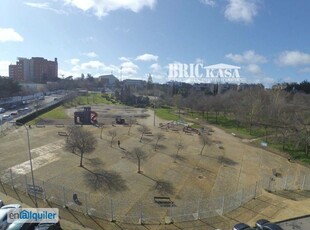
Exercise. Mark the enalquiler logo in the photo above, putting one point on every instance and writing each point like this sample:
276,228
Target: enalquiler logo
34,215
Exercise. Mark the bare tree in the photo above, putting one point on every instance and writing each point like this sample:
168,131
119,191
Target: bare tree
158,136
82,140
140,155
179,147
112,134
205,140
143,129
130,122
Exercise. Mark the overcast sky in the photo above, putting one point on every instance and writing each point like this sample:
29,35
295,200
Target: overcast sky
268,39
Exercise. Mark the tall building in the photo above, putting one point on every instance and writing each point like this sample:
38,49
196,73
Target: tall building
36,69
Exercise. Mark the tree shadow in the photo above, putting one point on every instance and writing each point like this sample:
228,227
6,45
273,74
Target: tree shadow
178,157
104,180
159,147
226,160
164,187
94,162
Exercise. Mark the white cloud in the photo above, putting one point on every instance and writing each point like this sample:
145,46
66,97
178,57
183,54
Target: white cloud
211,3
254,69
74,61
147,57
124,59
103,7
129,68
293,58
44,6
92,65
156,68
91,54
242,10
10,35
4,68
95,68
248,57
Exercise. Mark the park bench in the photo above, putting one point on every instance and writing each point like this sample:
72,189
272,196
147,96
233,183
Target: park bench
60,125
63,134
162,200
40,126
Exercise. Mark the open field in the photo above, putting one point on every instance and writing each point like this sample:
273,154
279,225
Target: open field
226,166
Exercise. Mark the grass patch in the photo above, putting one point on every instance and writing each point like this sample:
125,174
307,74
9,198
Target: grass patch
166,114
57,113
92,99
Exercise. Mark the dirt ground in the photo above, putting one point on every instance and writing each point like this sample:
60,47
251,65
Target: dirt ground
225,166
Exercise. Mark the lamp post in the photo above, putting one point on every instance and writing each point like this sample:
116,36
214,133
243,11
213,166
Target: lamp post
30,160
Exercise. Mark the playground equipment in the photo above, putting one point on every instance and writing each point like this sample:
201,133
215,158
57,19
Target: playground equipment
85,117
119,120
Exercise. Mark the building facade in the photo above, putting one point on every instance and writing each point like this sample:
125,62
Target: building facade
36,69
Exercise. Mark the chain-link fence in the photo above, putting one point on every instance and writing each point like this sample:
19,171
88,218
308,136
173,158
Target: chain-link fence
149,212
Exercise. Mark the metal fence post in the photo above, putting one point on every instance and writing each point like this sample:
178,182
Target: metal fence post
64,200
11,177
223,203
112,213
285,183
141,215
3,187
26,184
86,208
303,182
44,191
198,210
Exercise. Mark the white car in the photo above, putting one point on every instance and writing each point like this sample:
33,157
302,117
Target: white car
7,117
3,218
10,206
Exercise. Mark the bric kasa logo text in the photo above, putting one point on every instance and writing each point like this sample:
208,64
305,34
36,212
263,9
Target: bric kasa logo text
208,74
37,215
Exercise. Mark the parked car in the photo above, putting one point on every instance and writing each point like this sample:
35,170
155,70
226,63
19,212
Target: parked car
48,226
2,110
4,218
242,226
271,226
22,225
10,206
260,223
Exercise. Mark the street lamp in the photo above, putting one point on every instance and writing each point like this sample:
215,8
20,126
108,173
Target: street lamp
30,160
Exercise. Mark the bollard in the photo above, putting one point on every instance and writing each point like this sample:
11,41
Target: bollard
112,213
64,194
26,184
